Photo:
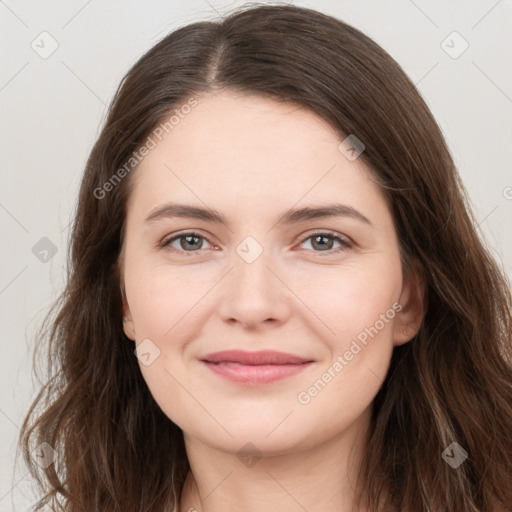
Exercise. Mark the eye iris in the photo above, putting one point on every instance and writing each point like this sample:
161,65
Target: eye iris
197,245
324,246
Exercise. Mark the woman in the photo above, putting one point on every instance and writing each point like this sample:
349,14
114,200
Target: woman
277,298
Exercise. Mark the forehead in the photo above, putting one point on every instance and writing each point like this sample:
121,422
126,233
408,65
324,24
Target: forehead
233,149
243,129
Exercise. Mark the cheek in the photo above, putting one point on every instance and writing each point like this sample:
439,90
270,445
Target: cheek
359,309
361,314
352,298
159,296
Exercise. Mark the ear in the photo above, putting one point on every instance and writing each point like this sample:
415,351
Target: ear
128,326
409,319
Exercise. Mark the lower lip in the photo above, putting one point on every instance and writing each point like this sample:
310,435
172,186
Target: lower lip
255,375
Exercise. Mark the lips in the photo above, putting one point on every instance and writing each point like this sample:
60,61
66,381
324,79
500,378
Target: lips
255,368
264,357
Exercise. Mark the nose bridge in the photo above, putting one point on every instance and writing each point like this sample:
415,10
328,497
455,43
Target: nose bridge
253,293
252,260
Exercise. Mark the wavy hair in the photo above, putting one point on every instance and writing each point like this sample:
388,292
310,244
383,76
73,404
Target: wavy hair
116,451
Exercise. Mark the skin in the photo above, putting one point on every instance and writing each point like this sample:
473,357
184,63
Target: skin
252,159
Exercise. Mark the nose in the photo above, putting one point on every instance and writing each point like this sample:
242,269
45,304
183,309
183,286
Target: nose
253,294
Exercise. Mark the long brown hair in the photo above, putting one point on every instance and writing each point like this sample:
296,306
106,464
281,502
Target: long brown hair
115,449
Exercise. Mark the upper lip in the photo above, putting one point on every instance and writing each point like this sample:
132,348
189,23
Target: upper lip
253,358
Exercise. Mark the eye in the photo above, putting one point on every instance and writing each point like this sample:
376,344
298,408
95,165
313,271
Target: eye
323,241
188,242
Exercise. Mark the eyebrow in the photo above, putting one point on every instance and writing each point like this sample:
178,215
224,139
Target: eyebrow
291,216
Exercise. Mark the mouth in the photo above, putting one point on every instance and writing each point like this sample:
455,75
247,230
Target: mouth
255,368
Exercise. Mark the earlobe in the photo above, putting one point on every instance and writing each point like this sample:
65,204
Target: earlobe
128,326
409,319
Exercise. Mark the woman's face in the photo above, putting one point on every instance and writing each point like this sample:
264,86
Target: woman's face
326,288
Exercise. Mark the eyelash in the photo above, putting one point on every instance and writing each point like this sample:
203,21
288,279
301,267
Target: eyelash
345,242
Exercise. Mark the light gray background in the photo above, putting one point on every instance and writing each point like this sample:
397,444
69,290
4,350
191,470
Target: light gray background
52,109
